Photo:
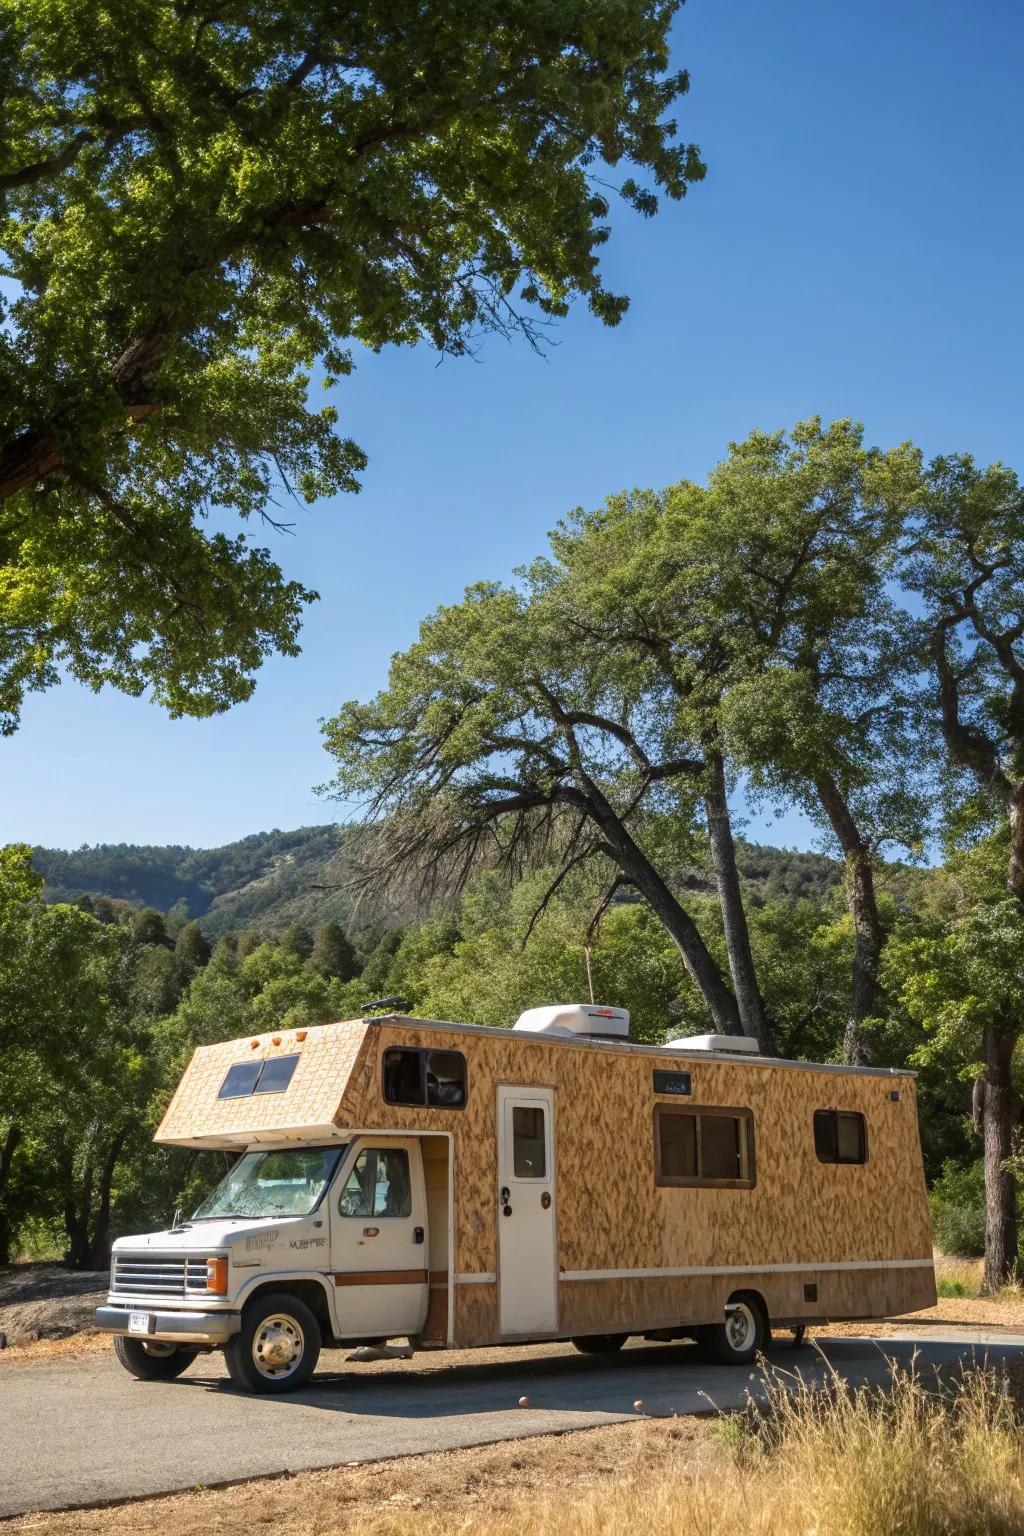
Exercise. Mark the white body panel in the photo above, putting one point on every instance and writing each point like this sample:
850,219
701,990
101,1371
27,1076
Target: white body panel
527,1252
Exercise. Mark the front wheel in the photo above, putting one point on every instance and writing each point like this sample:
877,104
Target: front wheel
152,1359
740,1337
278,1345
600,1343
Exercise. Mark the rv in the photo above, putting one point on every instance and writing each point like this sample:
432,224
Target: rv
460,1186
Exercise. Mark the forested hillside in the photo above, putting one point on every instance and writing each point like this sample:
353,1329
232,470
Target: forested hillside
271,879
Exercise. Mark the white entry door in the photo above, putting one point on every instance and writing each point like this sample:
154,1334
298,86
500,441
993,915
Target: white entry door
526,1211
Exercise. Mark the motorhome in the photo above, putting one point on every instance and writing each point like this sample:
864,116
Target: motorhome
459,1186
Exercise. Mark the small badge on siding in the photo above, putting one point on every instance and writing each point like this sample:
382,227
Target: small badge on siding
672,1082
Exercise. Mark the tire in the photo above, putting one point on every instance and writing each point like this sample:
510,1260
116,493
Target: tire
153,1362
278,1346
600,1343
741,1337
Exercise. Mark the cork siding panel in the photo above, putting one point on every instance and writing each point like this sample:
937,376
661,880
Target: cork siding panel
476,1314
326,1057
611,1215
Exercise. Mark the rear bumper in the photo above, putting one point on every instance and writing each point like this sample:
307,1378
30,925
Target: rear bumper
173,1327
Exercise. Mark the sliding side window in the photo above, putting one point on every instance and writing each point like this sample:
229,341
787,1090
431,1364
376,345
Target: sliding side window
705,1147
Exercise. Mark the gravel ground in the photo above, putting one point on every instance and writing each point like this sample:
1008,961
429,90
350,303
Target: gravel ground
44,1302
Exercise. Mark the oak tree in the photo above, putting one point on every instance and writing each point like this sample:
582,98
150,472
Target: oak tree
201,205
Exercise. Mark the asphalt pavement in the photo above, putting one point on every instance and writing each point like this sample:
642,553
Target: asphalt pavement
82,1431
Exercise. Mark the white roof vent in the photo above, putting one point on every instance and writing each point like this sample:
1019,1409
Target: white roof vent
575,1019
733,1045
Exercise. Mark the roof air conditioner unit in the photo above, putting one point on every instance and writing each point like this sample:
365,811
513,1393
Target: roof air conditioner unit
580,1019
732,1045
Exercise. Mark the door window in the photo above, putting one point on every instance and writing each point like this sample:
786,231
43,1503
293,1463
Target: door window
529,1151
379,1184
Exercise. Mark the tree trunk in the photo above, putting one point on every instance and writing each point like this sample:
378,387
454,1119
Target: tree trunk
77,1206
678,924
11,1143
998,1117
99,1244
734,919
859,890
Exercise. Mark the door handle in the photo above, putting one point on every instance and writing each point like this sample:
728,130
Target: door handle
545,1200
417,1234
371,1231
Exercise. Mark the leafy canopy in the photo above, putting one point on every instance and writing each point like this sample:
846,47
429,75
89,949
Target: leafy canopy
198,203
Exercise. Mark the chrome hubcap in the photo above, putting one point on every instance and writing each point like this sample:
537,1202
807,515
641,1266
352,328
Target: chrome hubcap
278,1346
740,1326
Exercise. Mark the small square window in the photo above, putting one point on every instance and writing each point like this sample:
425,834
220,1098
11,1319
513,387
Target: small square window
840,1136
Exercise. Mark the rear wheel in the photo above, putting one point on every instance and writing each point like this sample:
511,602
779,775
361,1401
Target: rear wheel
600,1343
741,1336
153,1359
278,1345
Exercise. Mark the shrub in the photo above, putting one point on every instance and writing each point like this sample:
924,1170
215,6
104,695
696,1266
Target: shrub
958,1209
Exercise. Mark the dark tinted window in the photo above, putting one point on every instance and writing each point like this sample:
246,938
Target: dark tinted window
678,1146
720,1147
413,1076
704,1146
240,1081
276,1074
246,1077
529,1153
840,1136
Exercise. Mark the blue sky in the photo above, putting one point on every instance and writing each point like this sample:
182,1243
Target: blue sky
855,250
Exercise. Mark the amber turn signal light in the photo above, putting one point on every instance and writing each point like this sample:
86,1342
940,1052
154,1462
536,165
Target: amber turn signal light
217,1276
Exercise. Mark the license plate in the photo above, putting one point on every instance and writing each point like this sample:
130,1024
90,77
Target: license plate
138,1322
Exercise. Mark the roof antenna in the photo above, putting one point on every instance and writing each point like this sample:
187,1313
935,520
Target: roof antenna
590,974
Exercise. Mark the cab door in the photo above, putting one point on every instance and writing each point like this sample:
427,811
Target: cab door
379,1239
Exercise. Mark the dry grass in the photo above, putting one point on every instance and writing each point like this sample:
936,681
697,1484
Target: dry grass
913,1461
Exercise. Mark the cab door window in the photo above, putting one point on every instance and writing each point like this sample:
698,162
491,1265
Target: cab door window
379,1184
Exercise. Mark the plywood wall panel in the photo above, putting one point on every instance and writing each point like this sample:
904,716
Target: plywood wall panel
610,1213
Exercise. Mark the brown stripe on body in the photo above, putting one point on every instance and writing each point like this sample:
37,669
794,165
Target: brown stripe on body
383,1277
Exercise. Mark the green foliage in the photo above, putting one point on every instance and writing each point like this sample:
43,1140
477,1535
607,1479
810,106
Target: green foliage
333,953
197,210
958,1209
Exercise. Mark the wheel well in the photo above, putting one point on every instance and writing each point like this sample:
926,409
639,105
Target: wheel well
309,1291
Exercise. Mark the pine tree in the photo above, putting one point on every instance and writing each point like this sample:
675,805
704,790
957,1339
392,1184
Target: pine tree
333,953
297,941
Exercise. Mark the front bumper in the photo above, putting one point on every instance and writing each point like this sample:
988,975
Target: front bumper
173,1327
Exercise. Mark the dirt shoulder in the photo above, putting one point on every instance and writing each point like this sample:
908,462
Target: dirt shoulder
46,1303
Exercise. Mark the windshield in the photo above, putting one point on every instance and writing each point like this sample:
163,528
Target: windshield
282,1183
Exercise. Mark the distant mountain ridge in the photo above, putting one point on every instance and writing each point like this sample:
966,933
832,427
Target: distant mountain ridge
270,879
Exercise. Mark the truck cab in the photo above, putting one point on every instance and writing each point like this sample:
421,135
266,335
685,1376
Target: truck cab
299,1245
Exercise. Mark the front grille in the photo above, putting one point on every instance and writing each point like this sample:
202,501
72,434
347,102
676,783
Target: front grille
149,1274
